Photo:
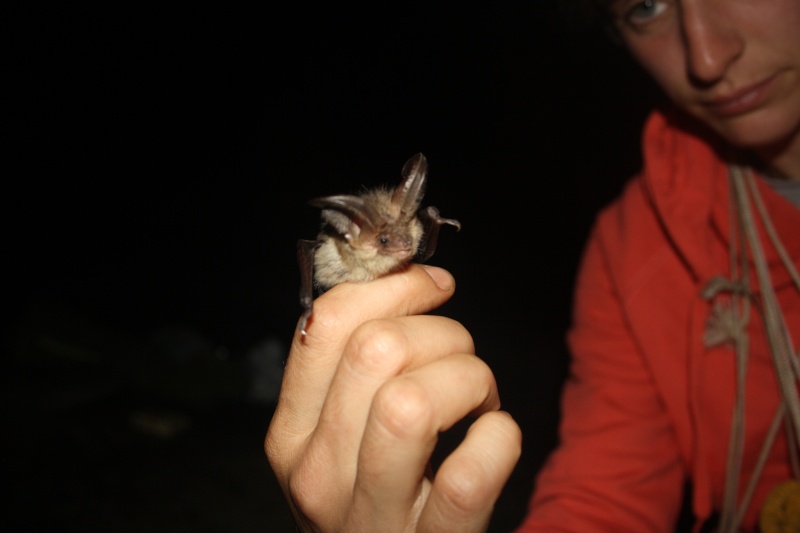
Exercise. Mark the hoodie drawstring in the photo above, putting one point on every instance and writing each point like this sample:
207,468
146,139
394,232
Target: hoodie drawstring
728,322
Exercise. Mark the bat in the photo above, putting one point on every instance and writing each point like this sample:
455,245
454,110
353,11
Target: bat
369,235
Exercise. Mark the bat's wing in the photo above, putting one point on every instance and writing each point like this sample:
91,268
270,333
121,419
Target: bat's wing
431,222
305,258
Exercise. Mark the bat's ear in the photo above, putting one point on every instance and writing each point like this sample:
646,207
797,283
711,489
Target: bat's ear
408,195
348,215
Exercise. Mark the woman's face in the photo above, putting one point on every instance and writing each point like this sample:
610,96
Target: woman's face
734,64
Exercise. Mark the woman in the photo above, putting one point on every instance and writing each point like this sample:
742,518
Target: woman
656,333
686,305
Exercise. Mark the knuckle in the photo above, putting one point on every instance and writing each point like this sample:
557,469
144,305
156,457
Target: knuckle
276,448
404,409
377,346
481,369
272,448
463,485
465,336
313,491
307,499
326,321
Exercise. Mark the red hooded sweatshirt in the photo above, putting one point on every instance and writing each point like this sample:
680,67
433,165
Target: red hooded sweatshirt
647,407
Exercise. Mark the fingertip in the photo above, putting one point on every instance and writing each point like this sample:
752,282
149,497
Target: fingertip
506,424
471,479
441,277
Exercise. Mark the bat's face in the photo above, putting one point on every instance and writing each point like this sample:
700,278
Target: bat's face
390,229
398,242
400,245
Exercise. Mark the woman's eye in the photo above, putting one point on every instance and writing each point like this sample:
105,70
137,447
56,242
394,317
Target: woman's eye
644,12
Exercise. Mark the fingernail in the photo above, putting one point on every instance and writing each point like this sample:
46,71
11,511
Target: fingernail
440,277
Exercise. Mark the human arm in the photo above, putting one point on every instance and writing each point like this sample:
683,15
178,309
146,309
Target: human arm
365,395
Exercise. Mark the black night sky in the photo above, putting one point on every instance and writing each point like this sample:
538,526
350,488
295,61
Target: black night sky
159,161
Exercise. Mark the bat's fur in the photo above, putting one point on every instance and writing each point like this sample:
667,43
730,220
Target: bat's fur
367,236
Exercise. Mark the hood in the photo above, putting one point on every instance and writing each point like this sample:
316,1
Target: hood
685,176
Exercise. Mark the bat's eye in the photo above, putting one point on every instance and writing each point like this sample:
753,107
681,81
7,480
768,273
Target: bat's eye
384,240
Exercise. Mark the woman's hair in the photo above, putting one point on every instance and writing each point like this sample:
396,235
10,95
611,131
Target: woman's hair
591,13
595,11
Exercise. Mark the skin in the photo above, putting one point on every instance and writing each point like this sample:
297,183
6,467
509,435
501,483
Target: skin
702,52
367,391
364,397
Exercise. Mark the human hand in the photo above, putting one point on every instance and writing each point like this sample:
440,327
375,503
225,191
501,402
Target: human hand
363,399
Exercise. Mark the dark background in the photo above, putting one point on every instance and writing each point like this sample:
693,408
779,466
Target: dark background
159,158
